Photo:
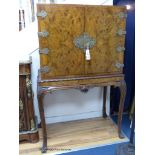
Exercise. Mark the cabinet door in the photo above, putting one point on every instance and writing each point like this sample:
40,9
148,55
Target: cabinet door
102,23
63,23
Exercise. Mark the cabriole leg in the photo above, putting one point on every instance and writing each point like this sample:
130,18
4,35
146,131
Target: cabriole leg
122,88
43,124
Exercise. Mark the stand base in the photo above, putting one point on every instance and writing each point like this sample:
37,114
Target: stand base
44,149
126,149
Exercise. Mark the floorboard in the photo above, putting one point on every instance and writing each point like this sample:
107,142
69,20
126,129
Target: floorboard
75,135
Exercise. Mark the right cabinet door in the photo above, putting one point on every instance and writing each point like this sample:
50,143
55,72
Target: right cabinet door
106,24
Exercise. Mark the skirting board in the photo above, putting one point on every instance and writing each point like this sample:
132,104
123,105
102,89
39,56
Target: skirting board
64,118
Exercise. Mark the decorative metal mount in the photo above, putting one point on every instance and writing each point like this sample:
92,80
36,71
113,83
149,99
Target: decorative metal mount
32,124
122,15
28,86
121,32
44,69
119,65
42,14
44,51
21,105
84,41
43,34
120,49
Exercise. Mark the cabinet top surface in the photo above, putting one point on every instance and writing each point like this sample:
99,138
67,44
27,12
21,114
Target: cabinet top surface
80,5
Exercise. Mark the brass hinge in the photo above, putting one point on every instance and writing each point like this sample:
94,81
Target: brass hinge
44,69
42,14
43,51
119,65
43,34
122,15
120,49
121,32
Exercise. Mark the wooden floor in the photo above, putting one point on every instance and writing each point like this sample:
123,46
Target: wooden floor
75,135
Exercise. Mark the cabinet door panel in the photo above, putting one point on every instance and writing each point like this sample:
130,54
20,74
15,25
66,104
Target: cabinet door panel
63,23
102,24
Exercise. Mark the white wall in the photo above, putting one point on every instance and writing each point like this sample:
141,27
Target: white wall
63,105
90,2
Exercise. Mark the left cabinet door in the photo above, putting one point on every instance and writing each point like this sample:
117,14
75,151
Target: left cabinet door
56,31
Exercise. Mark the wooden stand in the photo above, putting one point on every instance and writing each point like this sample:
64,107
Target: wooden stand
42,91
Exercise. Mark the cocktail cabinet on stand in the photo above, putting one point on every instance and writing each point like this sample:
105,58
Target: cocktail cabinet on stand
80,46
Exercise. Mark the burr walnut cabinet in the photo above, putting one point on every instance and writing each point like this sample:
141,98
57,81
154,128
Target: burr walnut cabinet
80,46
27,124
